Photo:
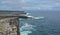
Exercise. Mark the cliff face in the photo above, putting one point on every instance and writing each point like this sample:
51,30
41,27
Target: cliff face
9,22
9,25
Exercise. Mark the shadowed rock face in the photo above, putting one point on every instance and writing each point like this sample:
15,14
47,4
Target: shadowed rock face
9,25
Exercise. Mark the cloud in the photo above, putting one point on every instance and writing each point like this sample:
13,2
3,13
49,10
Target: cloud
30,4
40,4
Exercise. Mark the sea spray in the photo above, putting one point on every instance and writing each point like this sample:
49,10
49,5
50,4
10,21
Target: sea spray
27,29
32,17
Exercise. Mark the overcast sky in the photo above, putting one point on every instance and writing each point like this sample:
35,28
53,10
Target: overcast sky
29,4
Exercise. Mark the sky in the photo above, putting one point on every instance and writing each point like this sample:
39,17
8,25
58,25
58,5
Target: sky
29,4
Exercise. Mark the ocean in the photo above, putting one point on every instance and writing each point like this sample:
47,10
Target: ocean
49,25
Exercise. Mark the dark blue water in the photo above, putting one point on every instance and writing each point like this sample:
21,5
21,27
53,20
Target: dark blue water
50,25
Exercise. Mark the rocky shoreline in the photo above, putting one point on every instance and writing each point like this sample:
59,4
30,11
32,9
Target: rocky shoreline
8,26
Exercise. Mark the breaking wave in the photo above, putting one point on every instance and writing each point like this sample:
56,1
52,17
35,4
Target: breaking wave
35,17
38,17
27,29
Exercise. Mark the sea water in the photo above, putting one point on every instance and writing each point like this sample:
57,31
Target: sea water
50,25
28,26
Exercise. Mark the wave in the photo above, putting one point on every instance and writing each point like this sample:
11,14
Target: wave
27,29
35,17
38,17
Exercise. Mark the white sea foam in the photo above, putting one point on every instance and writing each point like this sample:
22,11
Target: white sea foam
25,32
30,16
38,17
26,29
27,13
35,17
